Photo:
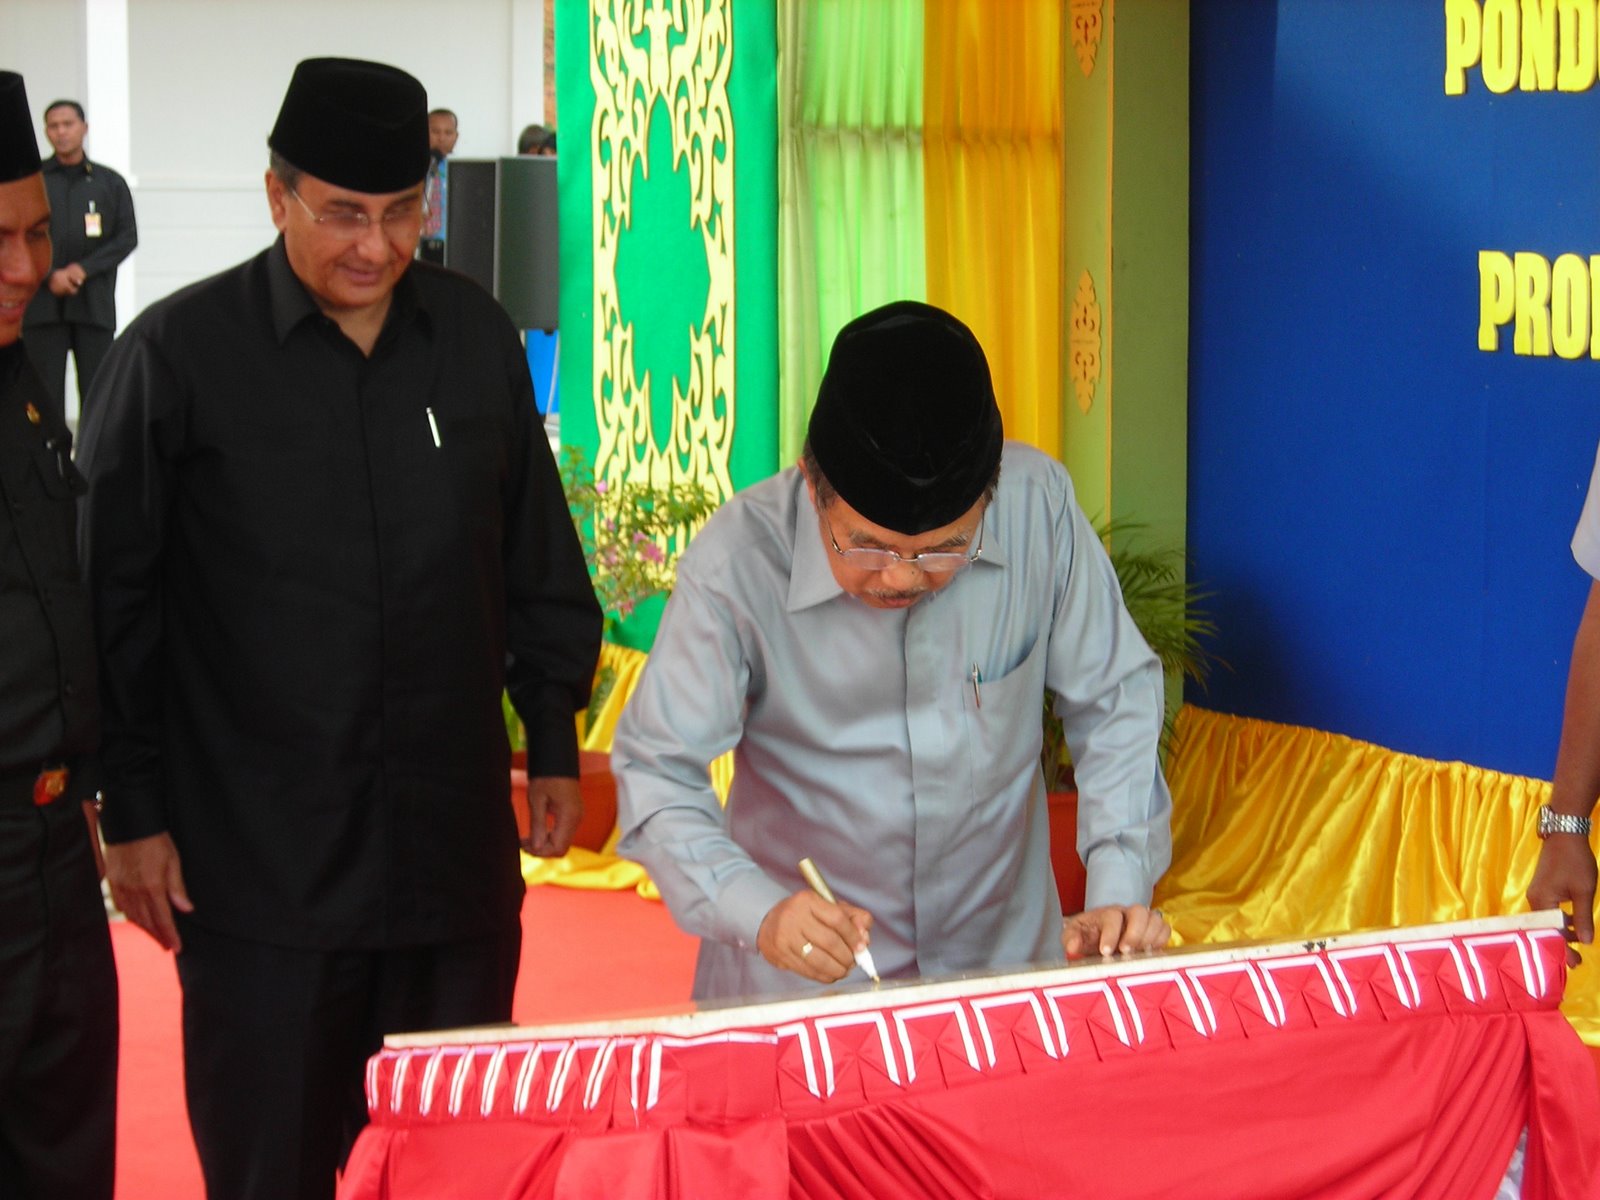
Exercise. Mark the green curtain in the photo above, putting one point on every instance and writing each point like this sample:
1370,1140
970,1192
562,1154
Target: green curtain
850,187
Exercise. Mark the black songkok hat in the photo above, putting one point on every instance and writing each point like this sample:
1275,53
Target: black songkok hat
357,125
19,151
906,428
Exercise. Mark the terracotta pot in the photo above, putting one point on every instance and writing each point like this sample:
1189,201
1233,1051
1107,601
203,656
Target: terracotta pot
599,797
1064,860
599,800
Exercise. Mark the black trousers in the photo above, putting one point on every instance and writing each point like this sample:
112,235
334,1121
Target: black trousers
58,1010
47,348
276,1041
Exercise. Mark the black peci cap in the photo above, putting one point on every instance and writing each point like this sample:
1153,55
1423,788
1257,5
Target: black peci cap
906,427
19,149
354,124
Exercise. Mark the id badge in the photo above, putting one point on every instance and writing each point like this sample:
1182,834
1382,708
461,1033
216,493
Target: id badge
91,224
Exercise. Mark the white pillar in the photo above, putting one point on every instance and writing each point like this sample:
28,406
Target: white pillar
526,102
108,101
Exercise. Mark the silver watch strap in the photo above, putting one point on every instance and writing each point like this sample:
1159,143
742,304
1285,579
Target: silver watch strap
1551,821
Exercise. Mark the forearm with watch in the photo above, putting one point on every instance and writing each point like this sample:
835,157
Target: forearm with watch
1566,871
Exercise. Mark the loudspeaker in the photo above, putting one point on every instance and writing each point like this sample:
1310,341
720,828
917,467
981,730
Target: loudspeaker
502,230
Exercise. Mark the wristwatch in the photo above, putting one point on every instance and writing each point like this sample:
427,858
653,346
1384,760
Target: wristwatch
1550,821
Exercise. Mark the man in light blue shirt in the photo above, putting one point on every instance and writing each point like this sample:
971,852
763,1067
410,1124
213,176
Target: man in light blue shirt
872,634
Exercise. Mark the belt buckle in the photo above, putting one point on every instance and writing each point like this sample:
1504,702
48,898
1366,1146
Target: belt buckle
49,785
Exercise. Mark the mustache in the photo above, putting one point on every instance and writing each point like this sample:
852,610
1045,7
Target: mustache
908,594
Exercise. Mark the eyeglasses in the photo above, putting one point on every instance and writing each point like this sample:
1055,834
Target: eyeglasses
864,558
351,223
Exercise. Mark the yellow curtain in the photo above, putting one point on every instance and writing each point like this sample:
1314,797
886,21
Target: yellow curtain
625,666
1280,833
604,870
992,194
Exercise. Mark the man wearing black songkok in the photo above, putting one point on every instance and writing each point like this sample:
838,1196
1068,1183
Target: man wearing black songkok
324,531
58,985
871,633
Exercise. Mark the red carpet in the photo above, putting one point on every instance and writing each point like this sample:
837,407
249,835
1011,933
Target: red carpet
584,955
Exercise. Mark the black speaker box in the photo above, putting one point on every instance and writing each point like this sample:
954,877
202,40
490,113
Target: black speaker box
501,229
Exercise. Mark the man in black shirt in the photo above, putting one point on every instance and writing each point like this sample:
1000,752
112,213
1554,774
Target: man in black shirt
91,231
324,531
58,986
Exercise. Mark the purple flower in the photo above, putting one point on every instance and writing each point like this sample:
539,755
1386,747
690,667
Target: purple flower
600,487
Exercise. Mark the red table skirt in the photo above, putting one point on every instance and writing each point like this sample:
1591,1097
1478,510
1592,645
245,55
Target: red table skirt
1312,1071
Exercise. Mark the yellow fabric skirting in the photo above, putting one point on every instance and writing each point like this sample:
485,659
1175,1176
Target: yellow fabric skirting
625,666
1281,832
604,870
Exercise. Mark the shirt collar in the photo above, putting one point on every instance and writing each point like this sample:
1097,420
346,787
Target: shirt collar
994,546
291,303
811,580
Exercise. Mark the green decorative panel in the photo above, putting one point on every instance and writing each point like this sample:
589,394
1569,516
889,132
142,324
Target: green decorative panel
669,243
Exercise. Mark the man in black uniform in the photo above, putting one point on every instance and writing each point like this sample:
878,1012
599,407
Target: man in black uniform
58,985
324,531
92,230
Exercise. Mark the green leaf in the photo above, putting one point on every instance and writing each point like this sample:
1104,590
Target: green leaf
1168,610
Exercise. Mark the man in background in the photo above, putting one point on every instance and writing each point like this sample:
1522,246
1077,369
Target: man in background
58,985
1566,870
537,140
324,535
92,231
443,130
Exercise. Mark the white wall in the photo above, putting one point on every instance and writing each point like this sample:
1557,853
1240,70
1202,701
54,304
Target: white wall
44,39
205,78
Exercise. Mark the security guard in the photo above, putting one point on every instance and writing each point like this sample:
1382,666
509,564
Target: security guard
58,984
92,230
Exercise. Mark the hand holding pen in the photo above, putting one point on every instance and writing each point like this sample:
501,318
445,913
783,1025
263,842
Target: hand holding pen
819,885
815,936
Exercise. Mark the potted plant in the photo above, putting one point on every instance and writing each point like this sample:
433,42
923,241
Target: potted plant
631,535
1169,612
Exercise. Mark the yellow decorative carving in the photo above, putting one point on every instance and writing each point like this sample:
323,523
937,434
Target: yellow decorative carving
1084,345
1088,22
677,52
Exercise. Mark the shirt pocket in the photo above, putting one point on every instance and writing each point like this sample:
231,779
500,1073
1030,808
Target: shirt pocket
445,474
1004,715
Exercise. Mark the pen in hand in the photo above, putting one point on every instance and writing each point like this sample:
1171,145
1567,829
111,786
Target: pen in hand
819,885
